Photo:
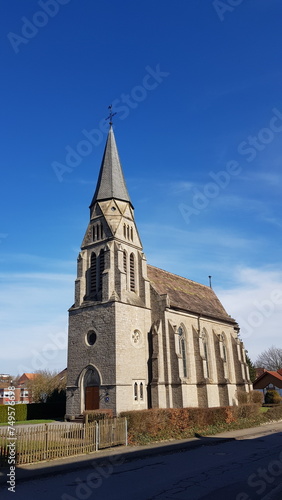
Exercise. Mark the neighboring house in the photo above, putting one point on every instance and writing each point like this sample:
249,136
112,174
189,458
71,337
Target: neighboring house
20,393
268,381
141,337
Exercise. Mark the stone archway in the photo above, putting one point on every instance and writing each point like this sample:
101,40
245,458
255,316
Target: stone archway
91,389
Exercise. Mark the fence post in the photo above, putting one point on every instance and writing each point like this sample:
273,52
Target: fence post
97,435
126,438
46,442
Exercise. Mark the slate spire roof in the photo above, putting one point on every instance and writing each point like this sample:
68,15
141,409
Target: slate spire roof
111,182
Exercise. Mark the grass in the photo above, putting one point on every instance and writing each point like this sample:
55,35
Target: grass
264,409
23,422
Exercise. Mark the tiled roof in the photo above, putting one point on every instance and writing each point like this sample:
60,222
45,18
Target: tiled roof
274,374
187,295
111,182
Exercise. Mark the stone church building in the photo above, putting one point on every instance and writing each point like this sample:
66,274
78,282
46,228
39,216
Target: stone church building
141,337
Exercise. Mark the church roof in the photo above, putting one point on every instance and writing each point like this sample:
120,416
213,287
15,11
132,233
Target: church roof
111,182
187,295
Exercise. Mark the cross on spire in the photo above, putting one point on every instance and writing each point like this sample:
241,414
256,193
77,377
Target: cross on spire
110,117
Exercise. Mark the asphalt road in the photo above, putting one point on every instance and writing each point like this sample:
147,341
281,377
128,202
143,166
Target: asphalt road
244,469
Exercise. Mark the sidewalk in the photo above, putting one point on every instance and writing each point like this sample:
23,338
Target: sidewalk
130,453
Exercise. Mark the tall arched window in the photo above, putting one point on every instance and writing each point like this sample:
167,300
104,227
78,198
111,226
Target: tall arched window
182,350
132,272
135,391
141,391
124,230
94,233
205,354
93,273
101,268
131,233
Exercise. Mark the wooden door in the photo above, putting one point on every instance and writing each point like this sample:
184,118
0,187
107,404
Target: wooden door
91,398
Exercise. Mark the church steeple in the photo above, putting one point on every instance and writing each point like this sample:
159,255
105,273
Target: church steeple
111,182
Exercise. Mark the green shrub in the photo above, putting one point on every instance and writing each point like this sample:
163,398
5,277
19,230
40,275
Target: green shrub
3,414
21,412
272,397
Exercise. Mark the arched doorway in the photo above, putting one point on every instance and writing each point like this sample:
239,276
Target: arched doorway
91,384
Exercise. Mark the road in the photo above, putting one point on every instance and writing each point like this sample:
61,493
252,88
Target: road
245,469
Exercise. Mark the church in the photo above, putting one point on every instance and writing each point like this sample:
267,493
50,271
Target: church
141,337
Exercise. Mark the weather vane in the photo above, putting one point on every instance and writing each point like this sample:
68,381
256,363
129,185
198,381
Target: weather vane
110,117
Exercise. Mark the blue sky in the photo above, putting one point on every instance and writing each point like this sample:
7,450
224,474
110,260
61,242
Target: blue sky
197,91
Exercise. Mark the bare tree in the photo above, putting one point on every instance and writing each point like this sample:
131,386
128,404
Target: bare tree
271,359
44,384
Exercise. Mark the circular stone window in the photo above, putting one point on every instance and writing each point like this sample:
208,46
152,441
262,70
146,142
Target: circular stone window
113,209
136,338
91,337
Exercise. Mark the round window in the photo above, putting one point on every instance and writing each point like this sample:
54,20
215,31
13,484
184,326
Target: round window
91,337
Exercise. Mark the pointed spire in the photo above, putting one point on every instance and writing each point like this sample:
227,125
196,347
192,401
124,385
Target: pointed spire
111,182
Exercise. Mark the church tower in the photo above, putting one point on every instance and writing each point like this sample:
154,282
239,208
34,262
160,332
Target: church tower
107,348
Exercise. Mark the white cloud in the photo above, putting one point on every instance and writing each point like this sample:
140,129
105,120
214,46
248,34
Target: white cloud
33,317
255,301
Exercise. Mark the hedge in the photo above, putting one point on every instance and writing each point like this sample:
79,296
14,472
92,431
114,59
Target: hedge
34,411
172,422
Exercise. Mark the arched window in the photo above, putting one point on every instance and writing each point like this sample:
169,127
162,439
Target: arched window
98,232
127,232
141,391
101,268
132,272
205,354
93,273
94,233
124,230
182,350
135,391
131,233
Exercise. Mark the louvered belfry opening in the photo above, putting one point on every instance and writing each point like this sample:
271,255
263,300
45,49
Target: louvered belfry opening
132,272
101,268
93,273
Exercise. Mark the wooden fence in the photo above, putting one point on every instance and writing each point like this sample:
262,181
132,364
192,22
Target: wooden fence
50,441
